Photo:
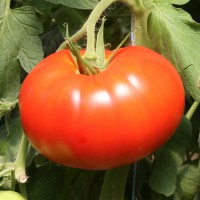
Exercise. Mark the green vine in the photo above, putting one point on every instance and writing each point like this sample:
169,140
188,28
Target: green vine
140,12
20,173
192,110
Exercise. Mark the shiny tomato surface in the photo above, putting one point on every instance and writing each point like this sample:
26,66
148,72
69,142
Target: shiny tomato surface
102,121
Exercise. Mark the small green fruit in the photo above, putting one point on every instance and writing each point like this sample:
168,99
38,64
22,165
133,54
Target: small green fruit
10,195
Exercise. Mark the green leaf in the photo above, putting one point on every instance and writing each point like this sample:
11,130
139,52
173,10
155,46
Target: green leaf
189,176
177,2
79,4
45,182
178,193
13,150
114,184
2,9
51,40
86,180
9,78
169,158
175,35
42,6
11,138
50,182
81,184
163,177
10,142
72,17
19,39
20,45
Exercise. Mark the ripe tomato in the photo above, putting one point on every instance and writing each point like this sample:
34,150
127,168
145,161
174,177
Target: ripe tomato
106,120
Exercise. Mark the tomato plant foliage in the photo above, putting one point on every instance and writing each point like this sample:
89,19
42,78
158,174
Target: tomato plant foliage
31,30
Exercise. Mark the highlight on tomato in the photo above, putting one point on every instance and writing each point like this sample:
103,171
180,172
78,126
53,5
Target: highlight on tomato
102,121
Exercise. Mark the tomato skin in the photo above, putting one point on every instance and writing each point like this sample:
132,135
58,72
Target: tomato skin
102,121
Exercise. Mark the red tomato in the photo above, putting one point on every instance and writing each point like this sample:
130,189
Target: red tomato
106,120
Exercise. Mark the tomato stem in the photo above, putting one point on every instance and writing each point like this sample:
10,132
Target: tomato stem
192,110
20,162
83,65
90,53
6,171
140,11
132,33
140,31
78,35
88,63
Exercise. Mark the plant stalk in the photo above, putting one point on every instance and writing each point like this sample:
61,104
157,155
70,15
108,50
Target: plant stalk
139,12
192,109
90,53
20,162
78,35
6,171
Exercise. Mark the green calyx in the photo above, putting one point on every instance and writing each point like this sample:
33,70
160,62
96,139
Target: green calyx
93,61
83,65
91,66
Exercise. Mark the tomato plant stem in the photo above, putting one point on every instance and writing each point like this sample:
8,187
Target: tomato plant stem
78,35
140,12
92,20
192,109
140,30
132,27
20,162
6,171
89,28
